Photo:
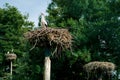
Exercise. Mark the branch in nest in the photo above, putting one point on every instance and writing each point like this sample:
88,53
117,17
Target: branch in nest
34,45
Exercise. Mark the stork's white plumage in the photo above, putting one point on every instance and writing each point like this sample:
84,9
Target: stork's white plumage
8,52
43,21
12,50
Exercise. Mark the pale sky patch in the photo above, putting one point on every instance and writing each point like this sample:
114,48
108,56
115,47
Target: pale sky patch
33,7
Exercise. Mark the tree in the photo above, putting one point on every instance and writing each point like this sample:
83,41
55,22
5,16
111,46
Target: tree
12,26
94,25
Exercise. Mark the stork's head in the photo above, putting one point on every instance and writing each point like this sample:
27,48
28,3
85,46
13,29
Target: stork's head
42,14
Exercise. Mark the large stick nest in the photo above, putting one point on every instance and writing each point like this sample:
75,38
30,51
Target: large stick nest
11,56
99,67
49,36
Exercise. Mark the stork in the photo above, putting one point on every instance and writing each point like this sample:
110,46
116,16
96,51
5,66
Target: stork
8,52
43,21
12,50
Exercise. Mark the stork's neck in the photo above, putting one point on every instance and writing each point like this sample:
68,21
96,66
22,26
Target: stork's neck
42,17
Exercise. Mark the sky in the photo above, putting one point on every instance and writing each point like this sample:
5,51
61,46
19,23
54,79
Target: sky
33,7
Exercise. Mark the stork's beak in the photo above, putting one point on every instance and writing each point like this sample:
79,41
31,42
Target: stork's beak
42,14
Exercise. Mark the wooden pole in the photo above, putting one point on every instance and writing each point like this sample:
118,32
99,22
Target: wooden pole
99,78
11,67
47,71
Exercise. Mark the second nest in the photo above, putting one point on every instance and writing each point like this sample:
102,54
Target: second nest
50,37
97,66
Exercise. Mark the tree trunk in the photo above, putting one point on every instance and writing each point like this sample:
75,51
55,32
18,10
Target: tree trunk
47,67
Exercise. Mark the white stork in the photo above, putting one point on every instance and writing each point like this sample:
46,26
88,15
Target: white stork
8,52
43,21
12,50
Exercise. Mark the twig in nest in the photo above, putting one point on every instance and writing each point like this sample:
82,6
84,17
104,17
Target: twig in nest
54,51
34,45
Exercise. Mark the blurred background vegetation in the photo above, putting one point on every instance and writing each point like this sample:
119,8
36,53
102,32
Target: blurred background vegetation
94,25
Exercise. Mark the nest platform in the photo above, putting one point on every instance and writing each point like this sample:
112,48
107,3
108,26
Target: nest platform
97,66
49,37
11,56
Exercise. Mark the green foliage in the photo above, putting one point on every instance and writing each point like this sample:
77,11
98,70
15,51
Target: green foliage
12,26
94,26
